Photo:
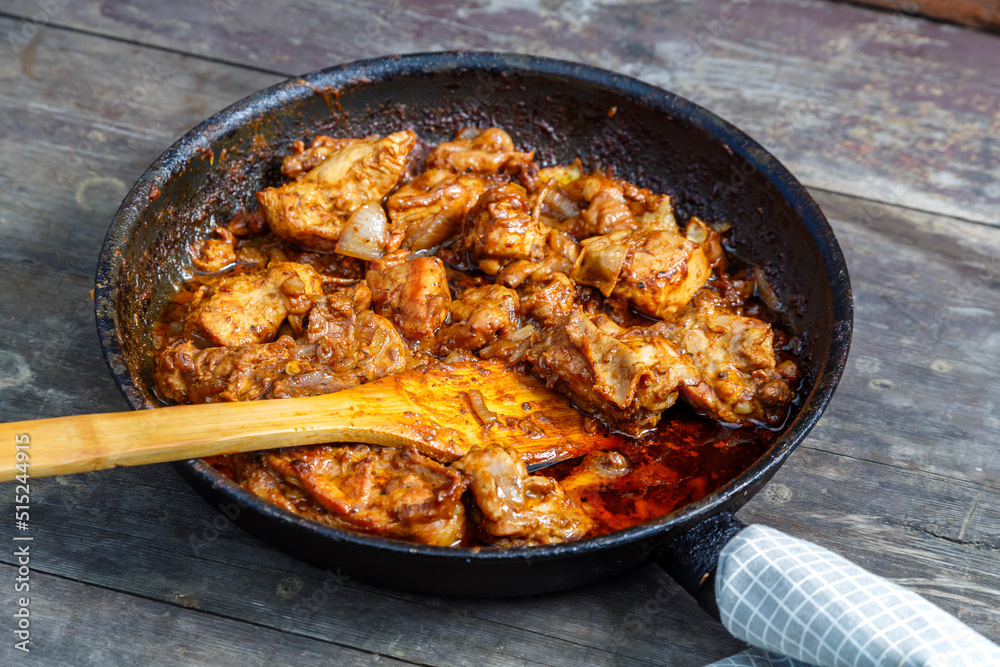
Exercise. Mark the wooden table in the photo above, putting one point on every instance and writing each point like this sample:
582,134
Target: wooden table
892,122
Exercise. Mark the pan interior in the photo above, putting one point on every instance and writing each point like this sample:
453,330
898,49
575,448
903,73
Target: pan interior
558,110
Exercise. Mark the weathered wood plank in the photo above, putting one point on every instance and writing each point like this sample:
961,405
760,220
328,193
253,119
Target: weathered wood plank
899,475
922,386
105,627
878,105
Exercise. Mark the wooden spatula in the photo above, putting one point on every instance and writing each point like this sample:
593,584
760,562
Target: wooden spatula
443,412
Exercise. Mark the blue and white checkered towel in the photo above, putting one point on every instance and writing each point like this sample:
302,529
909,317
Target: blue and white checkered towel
793,598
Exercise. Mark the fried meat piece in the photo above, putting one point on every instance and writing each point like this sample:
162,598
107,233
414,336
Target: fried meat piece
595,204
562,365
311,211
632,368
429,209
411,292
478,151
519,509
250,307
736,357
303,160
188,375
250,472
479,316
627,377
214,253
352,341
501,229
383,491
657,271
550,300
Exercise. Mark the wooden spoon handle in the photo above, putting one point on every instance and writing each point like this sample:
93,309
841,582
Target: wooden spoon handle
65,445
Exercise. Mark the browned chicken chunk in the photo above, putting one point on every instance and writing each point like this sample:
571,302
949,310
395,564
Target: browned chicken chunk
632,368
550,301
311,212
479,316
477,151
188,375
413,294
735,356
215,253
303,160
519,509
429,209
250,307
385,491
501,229
657,272
354,343
595,204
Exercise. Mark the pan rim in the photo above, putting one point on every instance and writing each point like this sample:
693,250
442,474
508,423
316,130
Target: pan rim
730,496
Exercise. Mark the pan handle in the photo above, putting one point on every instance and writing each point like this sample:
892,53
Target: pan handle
691,559
794,598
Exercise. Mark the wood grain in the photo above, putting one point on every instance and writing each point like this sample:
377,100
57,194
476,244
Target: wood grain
147,632
868,103
899,475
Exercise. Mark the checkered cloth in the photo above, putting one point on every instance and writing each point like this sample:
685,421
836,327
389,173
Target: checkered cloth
792,598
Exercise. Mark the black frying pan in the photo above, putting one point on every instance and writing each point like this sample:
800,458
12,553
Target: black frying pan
562,110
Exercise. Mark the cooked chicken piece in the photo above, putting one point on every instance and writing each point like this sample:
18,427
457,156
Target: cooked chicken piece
429,209
501,229
188,375
549,301
245,223
478,151
332,323
561,252
383,491
311,211
214,253
353,342
250,472
710,242
595,204
608,210
412,294
735,356
657,272
627,377
303,160
563,367
632,368
519,509
661,273
479,316
249,308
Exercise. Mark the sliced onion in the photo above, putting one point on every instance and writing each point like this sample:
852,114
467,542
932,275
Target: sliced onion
764,289
468,133
365,234
561,202
478,402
